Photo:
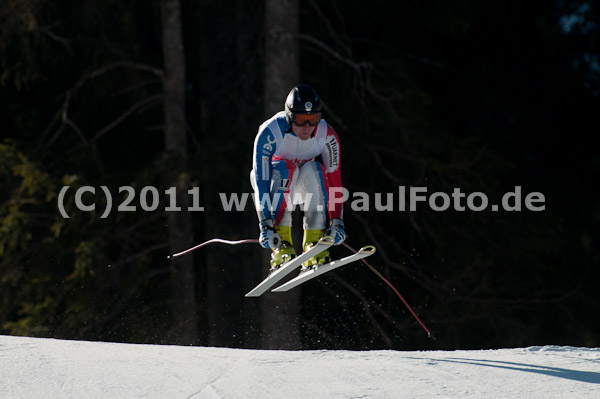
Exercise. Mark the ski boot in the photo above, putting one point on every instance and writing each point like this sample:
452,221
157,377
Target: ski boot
286,251
311,237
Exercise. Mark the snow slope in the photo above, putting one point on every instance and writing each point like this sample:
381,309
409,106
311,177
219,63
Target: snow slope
48,368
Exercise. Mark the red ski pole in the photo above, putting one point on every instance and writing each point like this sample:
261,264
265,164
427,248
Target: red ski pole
429,334
249,240
214,240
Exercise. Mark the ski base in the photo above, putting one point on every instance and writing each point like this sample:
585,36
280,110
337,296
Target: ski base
312,273
323,244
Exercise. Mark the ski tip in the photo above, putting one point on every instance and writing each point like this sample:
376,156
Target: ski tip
369,249
170,257
327,240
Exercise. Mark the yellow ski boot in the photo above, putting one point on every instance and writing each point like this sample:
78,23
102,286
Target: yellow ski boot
311,237
286,251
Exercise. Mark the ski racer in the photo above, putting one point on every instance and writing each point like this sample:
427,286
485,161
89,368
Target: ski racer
285,172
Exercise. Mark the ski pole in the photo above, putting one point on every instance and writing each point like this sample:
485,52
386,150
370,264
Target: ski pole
373,269
429,334
214,240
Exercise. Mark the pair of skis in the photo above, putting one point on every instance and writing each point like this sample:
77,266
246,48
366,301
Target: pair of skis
323,244
288,267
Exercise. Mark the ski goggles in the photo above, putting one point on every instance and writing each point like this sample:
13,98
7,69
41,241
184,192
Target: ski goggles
303,119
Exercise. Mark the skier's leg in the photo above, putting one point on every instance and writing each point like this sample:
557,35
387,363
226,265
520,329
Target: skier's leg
313,190
311,187
283,181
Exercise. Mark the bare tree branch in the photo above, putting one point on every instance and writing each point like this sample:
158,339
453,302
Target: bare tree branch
47,30
70,94
140,104
356,66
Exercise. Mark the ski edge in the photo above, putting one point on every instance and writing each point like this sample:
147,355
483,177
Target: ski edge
309,275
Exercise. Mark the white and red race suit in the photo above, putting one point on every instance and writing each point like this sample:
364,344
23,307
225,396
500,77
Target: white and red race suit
285,172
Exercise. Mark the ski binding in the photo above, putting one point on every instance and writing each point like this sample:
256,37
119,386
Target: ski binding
273,278
317,271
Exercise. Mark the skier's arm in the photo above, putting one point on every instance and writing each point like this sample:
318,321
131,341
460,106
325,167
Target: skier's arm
264,148
331,156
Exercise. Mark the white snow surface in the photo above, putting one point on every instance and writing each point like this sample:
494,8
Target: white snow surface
51,368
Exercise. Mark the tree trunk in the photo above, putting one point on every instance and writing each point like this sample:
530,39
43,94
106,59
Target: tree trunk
183,296
280,313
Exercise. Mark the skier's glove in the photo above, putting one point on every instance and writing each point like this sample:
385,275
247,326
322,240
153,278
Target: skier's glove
269,238
336,230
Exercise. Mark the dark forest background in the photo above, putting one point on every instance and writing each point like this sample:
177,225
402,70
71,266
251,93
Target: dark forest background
483,96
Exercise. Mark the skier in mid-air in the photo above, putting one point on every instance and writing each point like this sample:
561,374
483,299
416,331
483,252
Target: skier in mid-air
285,168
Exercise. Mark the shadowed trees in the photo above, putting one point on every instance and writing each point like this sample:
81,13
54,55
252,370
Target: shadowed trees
445,95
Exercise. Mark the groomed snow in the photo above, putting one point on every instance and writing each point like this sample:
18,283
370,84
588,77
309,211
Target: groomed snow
49,368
